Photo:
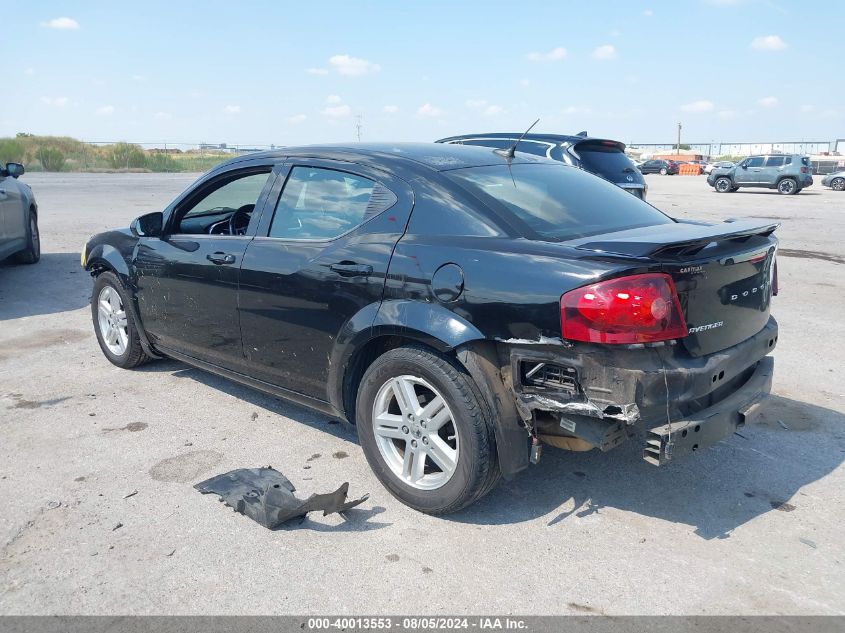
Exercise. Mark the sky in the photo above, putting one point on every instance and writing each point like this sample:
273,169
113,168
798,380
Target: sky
285,73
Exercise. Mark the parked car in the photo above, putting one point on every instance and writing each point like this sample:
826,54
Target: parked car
835,181
788,173
662,167
458,305
19,237
722,164
602,157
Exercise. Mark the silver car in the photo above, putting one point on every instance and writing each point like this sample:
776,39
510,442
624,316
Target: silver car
19,236
835,181
726,164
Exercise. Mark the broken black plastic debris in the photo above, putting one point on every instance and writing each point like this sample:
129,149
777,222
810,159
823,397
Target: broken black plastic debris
266,496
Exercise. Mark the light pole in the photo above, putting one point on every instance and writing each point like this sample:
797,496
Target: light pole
678,146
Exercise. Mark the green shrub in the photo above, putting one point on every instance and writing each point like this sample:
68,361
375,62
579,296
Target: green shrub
51,158
161,162
126,156
11,151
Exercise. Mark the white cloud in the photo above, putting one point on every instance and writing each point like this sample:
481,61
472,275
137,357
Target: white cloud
524,82
56,102
163,116
297,118
768,43
29,71
61,23
337,111
390,109
232,109
138,78
807,108
648,13
106,110
317,71
768,102
493,110
352,66
333,99
698,106
573,109
606,51
554,55
427,109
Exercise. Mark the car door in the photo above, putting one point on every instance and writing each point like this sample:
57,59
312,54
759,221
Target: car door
12,224
750,171
187,280
771,169
316,269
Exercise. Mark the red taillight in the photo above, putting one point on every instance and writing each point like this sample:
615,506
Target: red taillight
804,170
635,309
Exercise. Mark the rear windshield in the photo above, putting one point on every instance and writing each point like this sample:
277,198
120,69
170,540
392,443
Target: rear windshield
556,202
603,159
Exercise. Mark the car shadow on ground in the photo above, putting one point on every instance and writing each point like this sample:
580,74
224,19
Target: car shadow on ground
56,283
270,404
715,491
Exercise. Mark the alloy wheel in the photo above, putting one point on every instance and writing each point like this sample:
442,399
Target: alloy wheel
111,317
786,186
838,184
415,432
723,185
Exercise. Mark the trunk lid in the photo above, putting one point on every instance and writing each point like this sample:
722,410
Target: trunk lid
723,274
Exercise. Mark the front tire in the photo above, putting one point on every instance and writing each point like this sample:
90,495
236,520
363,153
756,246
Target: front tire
32,253
723,184
426,430
838,184
788,187
116,331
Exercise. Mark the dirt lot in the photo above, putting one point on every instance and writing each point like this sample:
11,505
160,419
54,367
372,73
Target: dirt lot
751,526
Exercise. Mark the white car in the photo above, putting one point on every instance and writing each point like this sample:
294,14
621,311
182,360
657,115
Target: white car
723,164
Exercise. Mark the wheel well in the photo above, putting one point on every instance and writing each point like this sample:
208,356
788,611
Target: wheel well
362,358
33,211
780,178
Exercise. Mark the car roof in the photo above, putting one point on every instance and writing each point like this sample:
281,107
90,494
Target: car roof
434,156
550,138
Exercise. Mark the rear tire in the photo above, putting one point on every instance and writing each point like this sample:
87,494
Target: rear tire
440,457
116,330
663,171
788,187
723,184
32,253
838,184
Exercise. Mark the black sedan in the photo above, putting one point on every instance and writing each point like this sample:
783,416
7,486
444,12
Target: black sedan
662,167
458,305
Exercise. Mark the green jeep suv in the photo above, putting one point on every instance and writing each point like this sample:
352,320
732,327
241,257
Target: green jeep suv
788,173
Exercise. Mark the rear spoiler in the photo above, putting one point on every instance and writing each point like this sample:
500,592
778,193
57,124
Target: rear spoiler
674,241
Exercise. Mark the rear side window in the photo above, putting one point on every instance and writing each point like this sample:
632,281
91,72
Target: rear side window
805,160
775,161
556,202
604,159
533,147
321,204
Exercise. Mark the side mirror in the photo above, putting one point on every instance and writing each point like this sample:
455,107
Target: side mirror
149,225
15,170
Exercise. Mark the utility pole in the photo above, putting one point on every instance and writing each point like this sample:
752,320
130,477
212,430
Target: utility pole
678,146
359,126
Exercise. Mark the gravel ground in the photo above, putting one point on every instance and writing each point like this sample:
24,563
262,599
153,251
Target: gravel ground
751,526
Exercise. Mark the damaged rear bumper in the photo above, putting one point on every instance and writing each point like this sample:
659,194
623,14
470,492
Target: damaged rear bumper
581,396
713,424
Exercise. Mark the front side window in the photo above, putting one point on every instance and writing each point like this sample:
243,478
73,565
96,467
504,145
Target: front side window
321,204
234,195
754,161
556,202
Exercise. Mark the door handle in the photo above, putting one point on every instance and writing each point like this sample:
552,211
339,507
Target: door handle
220,258
351,269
